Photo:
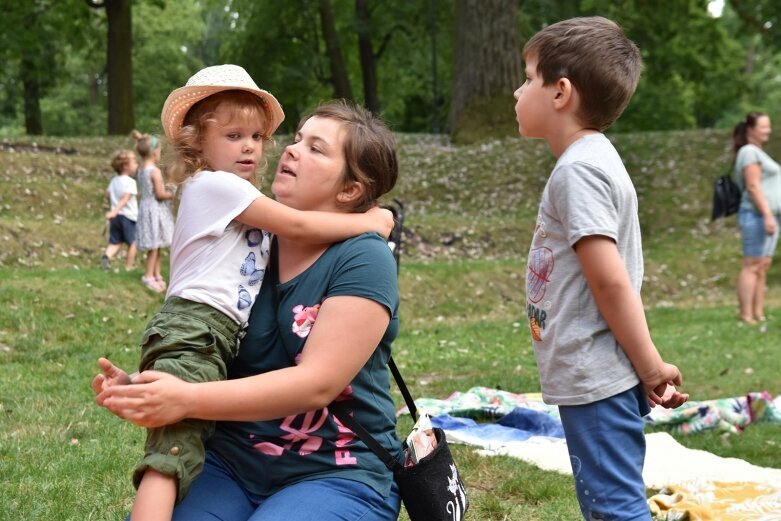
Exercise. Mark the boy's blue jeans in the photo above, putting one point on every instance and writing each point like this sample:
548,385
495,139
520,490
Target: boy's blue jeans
215,495
606,445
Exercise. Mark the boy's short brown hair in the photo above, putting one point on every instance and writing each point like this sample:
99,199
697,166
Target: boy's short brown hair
602,64
120,159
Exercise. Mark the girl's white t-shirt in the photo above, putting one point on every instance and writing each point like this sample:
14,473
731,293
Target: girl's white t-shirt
215,260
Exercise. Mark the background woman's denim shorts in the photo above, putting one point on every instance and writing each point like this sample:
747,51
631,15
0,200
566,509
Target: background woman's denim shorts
756,243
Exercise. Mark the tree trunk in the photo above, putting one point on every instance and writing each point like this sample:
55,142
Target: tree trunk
29,73
119,66
32,97
487,61
368,59
339,78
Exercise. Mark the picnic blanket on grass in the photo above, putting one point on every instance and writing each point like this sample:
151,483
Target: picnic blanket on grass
693,483
724,414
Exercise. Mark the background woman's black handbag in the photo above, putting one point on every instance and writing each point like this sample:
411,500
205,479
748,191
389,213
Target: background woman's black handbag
726,196
431,489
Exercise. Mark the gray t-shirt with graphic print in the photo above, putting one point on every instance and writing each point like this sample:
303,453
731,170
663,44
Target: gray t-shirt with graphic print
588,193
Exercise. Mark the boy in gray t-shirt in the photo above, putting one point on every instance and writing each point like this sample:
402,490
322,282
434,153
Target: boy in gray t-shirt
596,359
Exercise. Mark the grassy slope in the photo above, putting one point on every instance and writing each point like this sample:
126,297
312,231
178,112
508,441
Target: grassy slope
469,216
476,202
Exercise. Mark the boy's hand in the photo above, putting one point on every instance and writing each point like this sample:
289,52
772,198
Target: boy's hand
110,215
672,398
383,219
661,387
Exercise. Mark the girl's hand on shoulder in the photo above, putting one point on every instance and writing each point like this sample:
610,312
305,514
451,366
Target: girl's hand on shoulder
155,399
383,219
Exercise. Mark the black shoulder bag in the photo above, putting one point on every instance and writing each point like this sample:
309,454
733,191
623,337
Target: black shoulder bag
726,196
431,489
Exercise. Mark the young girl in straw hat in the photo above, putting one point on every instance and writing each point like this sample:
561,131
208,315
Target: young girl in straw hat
217,125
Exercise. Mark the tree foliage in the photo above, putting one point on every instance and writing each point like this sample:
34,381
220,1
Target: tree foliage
394,57
686,52
34,51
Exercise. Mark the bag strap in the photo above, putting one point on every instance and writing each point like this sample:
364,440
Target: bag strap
413,411
338,408
351,423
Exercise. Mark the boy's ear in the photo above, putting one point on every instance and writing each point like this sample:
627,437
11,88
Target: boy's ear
563,94
351,192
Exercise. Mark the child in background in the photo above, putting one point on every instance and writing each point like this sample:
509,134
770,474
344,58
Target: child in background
217,125
121,192
595,355
155,225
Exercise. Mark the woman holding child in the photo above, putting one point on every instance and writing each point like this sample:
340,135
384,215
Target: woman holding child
759,177
278,453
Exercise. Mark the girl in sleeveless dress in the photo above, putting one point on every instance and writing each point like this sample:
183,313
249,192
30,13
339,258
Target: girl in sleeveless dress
155,225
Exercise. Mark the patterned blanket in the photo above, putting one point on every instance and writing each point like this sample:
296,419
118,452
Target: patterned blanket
724,414
693,485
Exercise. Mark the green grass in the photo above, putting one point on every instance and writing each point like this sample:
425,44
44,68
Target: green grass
469,216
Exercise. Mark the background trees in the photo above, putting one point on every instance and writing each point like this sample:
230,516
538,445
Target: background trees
119,63
486,67
427,66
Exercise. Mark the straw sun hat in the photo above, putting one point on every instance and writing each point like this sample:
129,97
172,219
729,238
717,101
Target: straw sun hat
209,81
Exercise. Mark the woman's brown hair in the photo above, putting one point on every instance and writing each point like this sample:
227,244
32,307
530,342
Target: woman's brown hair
740,132
369,150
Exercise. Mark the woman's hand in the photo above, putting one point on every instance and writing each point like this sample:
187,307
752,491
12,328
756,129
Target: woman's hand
155,399
770,224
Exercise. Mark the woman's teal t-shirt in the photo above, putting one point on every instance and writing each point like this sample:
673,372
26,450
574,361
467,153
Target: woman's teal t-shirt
269,455
770,181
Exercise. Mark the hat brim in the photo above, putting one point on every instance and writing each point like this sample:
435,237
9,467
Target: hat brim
180,101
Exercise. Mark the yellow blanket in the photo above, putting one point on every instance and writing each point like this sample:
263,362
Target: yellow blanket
717,501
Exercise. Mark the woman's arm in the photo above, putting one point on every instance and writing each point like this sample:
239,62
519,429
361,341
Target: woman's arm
161,193
346,333
314,227
752,175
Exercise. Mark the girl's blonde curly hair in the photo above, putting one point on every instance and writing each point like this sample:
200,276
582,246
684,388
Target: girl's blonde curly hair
187,145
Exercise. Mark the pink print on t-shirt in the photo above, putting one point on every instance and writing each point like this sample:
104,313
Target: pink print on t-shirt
310,422
304,318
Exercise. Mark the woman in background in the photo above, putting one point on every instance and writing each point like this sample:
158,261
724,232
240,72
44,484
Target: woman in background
759,177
